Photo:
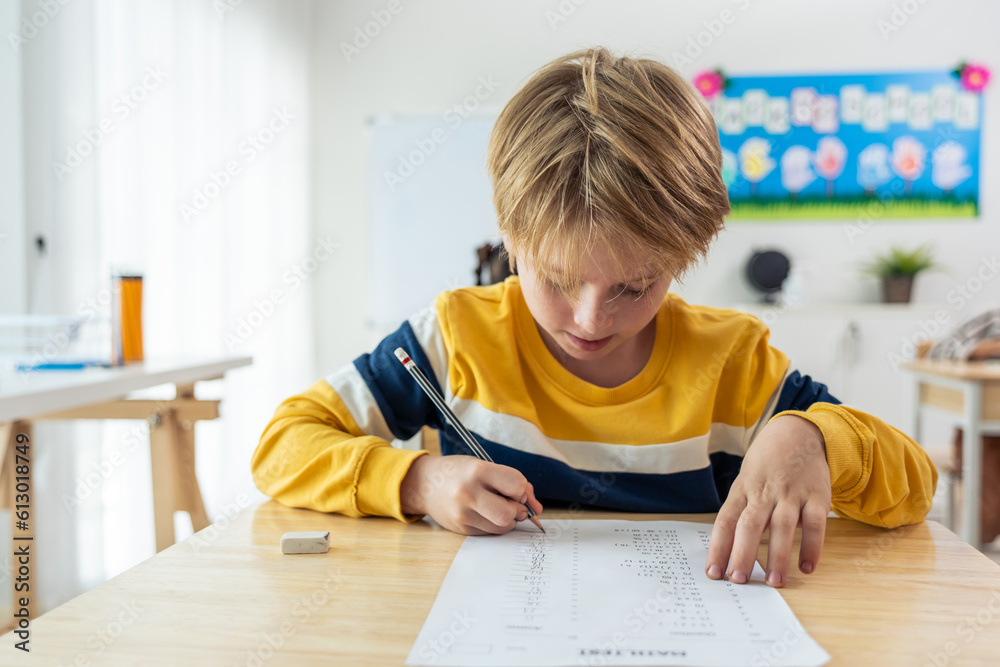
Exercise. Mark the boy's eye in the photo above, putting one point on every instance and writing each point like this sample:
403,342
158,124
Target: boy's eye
630,291
553,285
633,292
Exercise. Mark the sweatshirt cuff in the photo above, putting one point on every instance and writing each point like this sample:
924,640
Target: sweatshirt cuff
848,451
377,480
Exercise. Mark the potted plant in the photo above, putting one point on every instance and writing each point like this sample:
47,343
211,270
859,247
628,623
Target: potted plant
897,267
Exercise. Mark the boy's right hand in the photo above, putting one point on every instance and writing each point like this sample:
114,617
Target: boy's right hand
467,495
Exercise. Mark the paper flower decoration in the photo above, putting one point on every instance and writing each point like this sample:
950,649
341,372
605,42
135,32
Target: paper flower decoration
831,156
948,165
796,172
829,160
873,167
755,160
711,83
973,77
908,158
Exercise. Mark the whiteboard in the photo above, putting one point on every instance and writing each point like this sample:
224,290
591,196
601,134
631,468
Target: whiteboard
430,207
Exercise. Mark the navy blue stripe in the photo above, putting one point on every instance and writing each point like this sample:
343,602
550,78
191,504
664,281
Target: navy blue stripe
801,391
701,490
403,403
725,468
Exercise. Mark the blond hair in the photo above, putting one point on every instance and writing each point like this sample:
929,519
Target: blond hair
600,149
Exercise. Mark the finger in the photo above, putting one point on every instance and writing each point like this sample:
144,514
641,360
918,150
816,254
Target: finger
781,534
504,480
498,512
532,501
720,545
477,524
813,533
459,523
749,530
510,483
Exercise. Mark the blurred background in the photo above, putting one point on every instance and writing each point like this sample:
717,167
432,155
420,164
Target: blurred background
294,178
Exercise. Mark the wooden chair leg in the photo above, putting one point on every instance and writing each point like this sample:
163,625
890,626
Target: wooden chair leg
163,461
188,492
175,483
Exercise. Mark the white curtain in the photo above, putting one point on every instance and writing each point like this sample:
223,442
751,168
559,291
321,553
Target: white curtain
171,136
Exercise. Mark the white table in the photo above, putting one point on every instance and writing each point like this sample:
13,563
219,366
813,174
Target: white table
967,394
101,393
32,394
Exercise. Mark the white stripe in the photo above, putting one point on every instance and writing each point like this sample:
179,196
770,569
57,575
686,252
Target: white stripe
673,457
752,433
360,402
425,328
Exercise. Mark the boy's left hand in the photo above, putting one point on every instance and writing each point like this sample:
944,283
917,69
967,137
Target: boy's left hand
784,482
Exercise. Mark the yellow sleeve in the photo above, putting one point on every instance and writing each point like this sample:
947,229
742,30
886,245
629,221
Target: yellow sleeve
878,474
313,455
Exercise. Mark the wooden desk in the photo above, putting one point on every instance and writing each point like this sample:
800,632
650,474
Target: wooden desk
967,394
101,393
227,596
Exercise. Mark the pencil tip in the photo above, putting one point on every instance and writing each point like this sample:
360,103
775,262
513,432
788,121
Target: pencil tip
538,523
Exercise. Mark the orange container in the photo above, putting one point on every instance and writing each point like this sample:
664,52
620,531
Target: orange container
126,330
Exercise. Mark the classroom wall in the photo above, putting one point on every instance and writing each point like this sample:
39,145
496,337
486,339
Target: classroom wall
429,56
12,230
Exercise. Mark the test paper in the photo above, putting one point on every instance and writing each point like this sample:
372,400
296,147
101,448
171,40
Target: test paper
593,592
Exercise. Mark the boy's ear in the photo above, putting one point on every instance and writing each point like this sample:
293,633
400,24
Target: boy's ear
511,257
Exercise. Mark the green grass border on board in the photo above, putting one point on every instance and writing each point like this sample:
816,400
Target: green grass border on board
867,208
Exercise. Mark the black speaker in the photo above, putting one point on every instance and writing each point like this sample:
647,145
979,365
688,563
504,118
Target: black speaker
766,271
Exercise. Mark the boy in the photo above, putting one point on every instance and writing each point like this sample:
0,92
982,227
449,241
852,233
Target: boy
586,381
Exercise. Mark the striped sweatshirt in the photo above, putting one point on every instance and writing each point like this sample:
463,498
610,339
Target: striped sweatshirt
671,439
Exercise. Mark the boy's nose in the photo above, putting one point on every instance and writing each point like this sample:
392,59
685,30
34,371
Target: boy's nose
591,314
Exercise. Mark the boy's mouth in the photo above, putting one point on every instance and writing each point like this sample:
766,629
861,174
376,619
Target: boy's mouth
588,345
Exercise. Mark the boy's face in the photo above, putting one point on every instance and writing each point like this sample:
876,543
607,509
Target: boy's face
602,324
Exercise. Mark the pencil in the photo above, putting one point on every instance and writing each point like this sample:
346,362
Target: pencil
451,418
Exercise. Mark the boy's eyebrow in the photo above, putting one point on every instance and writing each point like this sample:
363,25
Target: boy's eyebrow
559,274
643,279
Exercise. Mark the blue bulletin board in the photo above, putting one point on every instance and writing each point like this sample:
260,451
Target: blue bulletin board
828,146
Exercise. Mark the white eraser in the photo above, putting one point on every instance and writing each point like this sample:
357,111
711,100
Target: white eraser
317,542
